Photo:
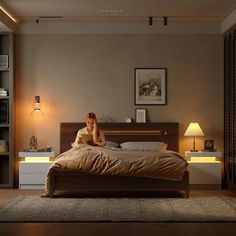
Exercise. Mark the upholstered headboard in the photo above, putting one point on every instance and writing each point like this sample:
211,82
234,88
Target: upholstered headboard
167,132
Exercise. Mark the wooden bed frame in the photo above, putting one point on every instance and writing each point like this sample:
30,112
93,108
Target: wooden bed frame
61,180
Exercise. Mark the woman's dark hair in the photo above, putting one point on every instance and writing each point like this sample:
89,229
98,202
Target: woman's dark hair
92,116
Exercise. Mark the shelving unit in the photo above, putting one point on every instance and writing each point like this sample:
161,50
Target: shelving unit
7,159
230,108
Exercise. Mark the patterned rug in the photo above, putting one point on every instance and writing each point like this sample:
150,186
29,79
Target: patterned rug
34,208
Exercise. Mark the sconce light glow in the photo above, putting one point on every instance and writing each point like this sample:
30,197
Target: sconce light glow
37,103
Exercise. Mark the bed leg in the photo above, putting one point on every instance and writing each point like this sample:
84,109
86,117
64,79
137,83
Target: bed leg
51,194
51,187
186,184
186,193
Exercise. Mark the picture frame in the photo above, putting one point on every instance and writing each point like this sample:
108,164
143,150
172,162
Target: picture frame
150,86
209,145
140,115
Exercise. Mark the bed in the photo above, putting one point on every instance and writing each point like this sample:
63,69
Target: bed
98,185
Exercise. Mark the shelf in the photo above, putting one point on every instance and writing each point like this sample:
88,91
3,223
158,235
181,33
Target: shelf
4,97
5,69
4,153
209,162
203,154
36,154
4,186
4,125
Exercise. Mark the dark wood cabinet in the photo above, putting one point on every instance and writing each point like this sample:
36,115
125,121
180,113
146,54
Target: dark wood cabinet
230,108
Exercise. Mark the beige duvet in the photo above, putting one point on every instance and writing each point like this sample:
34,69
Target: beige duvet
113,161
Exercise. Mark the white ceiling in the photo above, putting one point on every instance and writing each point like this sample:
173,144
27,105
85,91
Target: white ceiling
25,10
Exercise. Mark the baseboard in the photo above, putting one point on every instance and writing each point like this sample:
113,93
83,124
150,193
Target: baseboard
205,186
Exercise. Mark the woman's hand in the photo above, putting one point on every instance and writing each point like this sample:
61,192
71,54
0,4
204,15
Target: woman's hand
80,141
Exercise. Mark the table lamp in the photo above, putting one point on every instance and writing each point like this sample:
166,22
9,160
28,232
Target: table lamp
194,130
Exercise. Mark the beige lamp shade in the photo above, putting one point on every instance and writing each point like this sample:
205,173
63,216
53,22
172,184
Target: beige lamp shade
194,130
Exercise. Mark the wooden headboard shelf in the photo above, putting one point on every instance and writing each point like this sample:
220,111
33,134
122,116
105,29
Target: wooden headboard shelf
134,132
167,132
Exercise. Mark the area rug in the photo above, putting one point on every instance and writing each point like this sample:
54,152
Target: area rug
36,209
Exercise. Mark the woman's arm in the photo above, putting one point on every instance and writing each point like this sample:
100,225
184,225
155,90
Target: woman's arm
78,139
95,132
101,141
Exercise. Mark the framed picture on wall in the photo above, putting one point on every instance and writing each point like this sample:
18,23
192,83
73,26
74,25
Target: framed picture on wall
141,115
150,86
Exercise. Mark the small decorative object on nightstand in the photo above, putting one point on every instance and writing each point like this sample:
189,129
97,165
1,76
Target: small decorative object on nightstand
209,146
33,143
33,169
204,168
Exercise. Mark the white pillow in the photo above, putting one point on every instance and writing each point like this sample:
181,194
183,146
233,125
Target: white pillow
144,145
111,144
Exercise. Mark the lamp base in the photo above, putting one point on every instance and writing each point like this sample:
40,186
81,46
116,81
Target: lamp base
193,150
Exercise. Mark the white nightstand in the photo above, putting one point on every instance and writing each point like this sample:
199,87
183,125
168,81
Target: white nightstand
204,168
33,170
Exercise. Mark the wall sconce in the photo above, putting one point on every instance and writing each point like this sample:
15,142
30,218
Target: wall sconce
194,130
37,103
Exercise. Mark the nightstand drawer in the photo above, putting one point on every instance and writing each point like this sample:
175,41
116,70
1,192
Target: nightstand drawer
204,173
37,167
35,178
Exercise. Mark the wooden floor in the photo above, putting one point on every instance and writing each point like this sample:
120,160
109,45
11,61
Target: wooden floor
103,229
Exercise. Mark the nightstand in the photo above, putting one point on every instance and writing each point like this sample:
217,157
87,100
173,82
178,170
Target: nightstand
204,168
33,169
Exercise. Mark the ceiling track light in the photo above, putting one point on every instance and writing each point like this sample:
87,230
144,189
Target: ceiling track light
150,20
165,20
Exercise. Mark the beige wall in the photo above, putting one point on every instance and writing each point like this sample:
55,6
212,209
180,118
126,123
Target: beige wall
78,73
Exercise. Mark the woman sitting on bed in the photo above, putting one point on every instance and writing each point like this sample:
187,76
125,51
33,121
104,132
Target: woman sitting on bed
98,138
